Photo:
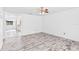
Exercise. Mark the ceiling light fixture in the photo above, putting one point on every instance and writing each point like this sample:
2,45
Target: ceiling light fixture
43,10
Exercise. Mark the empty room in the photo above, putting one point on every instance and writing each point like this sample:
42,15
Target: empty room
39,28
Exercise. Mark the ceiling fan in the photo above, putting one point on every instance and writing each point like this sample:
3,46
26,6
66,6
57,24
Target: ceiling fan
43,10
40,11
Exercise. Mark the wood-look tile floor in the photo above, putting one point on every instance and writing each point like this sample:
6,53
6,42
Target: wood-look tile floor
40,42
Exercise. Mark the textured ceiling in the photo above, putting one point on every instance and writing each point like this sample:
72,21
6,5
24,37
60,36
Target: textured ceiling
35,10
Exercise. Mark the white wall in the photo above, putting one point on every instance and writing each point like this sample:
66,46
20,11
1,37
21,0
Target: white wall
57,24
1,27
31,24
63,22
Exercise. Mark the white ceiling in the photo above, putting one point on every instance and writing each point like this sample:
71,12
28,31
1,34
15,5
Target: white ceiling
35,10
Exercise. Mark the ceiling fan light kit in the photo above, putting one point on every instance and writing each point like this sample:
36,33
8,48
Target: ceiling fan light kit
43,10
